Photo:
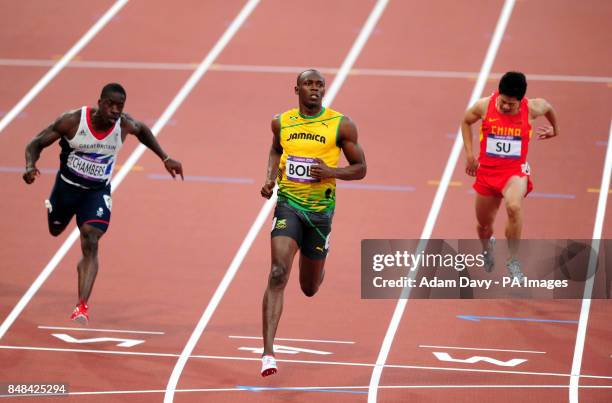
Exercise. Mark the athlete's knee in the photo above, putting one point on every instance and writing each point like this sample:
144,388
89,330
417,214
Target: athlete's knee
484,227
279,276
89,242
514,209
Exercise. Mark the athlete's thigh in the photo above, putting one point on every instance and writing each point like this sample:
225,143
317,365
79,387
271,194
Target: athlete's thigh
515,189
317,233
286,235
95,209
486,208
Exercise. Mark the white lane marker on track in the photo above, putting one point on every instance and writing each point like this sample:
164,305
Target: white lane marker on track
89,329
252,68
309,362
286,339
483,349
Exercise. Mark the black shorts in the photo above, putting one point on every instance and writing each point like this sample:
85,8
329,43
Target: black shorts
310,230
91,206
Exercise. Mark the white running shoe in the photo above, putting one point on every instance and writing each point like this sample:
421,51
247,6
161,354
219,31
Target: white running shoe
268,365
489,255
514,269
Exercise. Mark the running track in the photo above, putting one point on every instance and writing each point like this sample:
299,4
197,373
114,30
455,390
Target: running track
170,243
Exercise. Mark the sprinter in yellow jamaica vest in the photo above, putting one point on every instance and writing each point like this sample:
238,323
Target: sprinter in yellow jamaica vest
304,161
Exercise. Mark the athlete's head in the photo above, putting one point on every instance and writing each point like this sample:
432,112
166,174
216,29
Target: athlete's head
310,88
512,89
111,102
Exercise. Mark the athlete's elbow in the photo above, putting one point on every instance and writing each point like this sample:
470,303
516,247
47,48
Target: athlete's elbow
363,170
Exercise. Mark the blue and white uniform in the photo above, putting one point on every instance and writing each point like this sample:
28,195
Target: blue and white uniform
82,186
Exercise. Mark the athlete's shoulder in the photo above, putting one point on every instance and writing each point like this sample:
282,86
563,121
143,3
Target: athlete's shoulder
68,121
538,106
129,124
480,107
287,117
347,130
333,112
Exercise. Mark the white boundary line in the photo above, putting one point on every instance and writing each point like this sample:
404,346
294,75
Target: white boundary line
339,79
439,197
308,388
314,388
285,339
132,159
588,286
484,349
290,361
89,329
246,68
76,48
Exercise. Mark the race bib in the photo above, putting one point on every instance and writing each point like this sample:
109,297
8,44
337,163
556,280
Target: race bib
504,146
298,169
90,167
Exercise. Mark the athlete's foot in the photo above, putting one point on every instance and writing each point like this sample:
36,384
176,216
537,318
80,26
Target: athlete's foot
489,255
80,314
514,269
268,365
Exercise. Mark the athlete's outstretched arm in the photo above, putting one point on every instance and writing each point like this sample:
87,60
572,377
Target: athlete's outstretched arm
273,159
146,137
540,107
44,139
472,115
348,141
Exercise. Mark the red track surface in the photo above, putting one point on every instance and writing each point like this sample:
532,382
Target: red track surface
170,243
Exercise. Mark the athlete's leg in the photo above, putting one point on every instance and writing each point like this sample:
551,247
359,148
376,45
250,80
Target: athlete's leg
93,218
284,249
514,193
311,274
88,265
486,210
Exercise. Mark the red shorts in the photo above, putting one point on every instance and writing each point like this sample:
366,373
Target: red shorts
490,181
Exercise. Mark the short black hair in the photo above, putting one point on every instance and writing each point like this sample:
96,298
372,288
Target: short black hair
111,88
297,81
513,84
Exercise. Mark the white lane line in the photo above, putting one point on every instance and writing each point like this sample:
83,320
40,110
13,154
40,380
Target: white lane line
131,161
484,349
588,286
309,362
439,197
81,350
74,50
364,34
307,388
245,68
285,339
89,329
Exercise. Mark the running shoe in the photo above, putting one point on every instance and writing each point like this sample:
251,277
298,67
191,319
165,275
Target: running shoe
268,365
514,269
489,255
80,314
